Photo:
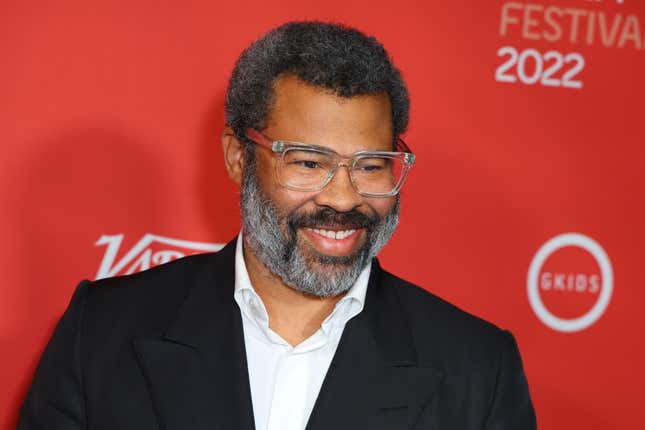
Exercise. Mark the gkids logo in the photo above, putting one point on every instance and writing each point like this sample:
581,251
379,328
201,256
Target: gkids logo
570,282
151,250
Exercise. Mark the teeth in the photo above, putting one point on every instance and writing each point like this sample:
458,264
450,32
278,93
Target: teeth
342,234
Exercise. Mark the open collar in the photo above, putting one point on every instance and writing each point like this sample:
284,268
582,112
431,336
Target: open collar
254,309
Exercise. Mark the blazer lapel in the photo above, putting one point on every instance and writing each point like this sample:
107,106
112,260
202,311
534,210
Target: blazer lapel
197,371
375,380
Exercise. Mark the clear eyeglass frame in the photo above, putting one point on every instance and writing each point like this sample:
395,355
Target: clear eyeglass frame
280,148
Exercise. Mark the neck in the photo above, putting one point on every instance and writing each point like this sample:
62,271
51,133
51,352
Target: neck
293,315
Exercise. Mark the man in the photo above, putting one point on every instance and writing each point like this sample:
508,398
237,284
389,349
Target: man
293,325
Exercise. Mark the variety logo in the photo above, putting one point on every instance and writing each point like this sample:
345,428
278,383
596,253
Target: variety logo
570,282
151,250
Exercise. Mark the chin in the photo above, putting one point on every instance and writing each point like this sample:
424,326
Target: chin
323,261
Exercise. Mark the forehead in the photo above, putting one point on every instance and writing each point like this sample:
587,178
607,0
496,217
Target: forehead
304,113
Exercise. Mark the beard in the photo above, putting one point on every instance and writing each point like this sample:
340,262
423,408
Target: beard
272,237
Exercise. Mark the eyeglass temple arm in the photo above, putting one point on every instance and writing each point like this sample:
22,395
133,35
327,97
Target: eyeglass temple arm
257,137
401,146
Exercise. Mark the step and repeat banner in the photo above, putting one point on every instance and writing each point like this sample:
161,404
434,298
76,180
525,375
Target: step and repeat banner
525,207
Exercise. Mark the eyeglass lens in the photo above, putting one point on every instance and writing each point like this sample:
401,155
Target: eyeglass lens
310,169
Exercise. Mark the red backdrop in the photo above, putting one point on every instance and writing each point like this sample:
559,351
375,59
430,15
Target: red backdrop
527,121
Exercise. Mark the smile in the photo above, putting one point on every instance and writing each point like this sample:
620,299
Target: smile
333,234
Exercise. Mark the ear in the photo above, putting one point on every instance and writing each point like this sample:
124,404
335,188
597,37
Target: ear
233,155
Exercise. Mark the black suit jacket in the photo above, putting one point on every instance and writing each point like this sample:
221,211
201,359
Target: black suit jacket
164,349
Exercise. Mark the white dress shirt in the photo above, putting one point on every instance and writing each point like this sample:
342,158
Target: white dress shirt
285,380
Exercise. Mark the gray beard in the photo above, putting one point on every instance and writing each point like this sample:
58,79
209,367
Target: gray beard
319,275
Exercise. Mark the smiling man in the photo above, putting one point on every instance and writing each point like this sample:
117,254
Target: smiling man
294,324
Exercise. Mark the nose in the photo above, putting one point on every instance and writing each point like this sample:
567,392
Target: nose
339,193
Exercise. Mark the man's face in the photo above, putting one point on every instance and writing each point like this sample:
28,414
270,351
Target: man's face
318,242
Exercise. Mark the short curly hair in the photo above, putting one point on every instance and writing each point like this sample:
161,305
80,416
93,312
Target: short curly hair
331,56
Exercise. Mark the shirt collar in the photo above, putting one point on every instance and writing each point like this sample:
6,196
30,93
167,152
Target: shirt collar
250,303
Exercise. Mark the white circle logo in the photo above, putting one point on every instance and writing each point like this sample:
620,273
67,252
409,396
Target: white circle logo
569,325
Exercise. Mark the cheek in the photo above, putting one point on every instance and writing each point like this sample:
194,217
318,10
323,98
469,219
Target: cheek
290,201
382,206
271,188
286,201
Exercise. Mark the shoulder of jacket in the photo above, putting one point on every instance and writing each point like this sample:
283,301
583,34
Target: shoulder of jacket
158,278
429,313
145,299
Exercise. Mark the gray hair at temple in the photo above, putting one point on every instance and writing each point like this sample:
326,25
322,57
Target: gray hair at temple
331,56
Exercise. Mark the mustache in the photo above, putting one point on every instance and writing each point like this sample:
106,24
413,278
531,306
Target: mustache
328,217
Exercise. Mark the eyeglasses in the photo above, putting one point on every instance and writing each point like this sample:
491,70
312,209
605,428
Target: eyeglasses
311,167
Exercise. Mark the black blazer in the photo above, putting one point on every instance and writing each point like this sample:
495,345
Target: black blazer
164,349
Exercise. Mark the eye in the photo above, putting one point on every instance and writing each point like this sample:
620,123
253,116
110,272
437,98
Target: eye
309,164
371,165
370,168
306,159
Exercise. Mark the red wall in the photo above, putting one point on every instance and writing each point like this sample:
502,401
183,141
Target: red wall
110,114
